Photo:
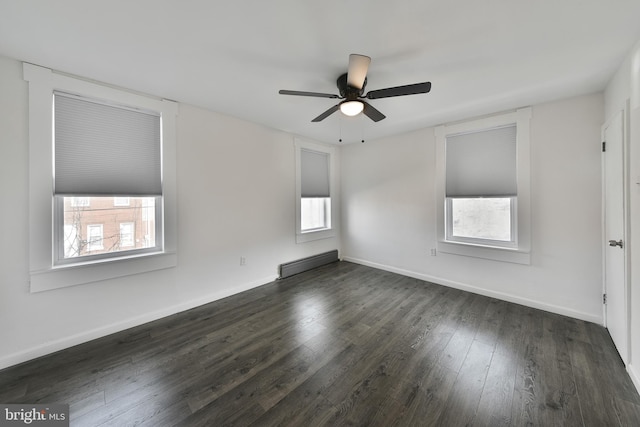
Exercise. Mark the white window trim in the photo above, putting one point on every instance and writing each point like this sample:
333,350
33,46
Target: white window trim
43,274
522,253
324,233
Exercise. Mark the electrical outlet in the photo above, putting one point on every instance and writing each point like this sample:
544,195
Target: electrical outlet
433,251
243,260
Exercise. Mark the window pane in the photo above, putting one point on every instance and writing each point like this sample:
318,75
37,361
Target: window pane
481,218
104,225
71,243
314,213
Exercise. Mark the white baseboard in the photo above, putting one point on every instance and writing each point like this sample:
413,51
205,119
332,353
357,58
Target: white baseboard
481,291
635,376
66,342
70,341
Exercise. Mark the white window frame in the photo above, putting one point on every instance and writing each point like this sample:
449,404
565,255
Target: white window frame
303,236
520,250
44,274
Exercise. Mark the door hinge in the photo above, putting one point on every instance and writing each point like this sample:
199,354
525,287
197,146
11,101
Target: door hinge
604,298
604,146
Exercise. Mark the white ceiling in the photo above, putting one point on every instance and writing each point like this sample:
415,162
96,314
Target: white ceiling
482,56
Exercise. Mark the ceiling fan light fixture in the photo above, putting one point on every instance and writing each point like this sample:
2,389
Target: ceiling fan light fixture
351,108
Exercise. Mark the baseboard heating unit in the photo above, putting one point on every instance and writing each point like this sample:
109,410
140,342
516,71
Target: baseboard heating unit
295,267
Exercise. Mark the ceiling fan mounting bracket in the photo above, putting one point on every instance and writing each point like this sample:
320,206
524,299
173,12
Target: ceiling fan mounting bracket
347,92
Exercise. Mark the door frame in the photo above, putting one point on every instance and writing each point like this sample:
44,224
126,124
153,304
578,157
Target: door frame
625,222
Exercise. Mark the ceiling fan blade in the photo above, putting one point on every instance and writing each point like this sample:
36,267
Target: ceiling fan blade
357,72
316,94
399,91
327,113
372,113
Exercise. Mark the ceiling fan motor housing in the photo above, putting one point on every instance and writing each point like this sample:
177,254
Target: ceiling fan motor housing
347,92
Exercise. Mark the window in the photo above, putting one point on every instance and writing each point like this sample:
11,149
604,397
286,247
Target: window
483,187
315,204
314,210
71,241
127,235
80,202
112,162
101,148
121,201
95,237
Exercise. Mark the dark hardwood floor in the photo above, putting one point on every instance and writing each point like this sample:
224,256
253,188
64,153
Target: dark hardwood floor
341,345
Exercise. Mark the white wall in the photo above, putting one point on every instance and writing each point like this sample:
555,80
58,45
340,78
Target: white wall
623,93
236,197
388,213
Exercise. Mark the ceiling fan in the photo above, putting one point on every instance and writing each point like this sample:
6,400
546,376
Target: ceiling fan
351,88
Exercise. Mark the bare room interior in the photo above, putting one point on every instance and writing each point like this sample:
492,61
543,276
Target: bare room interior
338,213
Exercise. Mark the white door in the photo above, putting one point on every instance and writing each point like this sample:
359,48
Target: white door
616,313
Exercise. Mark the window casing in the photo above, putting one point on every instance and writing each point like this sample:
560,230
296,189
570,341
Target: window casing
50,239
484,195
314,191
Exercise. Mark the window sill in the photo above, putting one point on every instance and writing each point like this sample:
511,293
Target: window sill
309,236
494,253
79,274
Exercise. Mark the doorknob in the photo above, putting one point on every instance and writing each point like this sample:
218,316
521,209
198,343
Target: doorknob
614,243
